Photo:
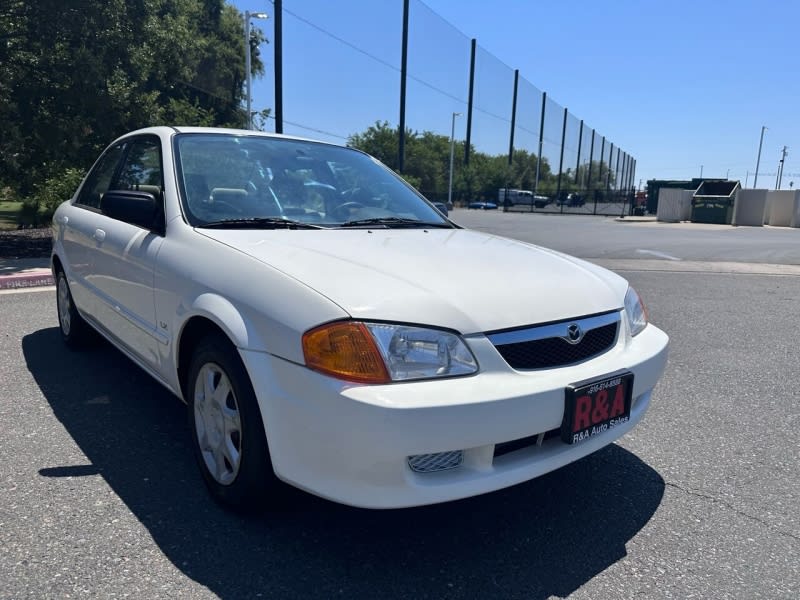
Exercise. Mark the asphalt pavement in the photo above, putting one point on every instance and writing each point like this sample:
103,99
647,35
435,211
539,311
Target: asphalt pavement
100,497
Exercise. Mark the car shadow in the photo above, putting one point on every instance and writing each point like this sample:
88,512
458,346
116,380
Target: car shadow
543,538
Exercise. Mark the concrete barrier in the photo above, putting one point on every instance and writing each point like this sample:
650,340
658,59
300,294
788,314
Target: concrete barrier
674,205
783,208
749,208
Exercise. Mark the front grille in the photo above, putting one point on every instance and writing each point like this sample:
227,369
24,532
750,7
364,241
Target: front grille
547,346
439,461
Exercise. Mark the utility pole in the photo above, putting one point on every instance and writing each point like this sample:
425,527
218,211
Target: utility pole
780,168
758,160
248,76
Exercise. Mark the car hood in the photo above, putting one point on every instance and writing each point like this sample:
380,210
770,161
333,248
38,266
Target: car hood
459,279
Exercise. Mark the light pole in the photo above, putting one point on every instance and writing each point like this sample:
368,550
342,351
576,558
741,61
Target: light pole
452,148
758,160
701,171
247,16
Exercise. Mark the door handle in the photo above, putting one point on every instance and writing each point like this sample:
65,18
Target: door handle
99,235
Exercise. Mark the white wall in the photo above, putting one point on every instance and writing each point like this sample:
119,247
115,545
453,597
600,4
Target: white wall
749,207
782,208
674,205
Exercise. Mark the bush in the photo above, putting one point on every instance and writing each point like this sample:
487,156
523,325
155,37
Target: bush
40,207
29,213
6,194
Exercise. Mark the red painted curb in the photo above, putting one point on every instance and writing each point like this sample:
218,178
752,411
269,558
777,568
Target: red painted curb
26,280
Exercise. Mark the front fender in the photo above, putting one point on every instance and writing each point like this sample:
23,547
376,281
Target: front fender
225,315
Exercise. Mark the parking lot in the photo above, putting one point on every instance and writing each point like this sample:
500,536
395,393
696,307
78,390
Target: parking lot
100,497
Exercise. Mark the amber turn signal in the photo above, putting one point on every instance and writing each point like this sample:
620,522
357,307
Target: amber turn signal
345,350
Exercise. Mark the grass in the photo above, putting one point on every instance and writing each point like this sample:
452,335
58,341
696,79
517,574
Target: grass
9,214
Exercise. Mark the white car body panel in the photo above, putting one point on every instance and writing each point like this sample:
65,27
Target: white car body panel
349,443
123,285
457,279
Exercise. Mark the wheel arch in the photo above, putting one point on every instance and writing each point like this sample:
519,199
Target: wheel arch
195,329
56,265
210,314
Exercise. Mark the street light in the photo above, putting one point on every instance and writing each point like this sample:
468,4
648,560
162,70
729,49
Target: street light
247,16
452,148
758,160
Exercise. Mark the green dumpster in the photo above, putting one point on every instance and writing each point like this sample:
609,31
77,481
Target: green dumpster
713,201
712,210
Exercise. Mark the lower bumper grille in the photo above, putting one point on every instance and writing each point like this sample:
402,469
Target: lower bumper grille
439,461
526,442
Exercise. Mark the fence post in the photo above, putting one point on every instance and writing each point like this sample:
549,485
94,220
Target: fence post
277,41
561,160
469,101
541,142
591,162
401,138
513,118
578,162
600,173
626,169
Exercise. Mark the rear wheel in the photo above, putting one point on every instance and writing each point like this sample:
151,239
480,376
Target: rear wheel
227,429
75,331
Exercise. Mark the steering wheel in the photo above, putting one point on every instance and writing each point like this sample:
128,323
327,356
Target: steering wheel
343,211
351,193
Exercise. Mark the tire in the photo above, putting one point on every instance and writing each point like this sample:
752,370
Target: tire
227,429
75,331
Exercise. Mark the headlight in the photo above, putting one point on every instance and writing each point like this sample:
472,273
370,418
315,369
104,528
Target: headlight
636,312
380,352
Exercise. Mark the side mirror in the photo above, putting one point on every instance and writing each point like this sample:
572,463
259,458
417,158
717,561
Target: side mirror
136,208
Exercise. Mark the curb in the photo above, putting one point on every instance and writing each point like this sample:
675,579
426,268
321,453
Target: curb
28,279
634,219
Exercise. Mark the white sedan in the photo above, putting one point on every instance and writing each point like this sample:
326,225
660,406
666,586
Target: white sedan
329,328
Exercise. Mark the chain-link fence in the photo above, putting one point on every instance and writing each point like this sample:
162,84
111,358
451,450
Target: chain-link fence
402,83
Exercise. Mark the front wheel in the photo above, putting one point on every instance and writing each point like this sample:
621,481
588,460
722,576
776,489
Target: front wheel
227,429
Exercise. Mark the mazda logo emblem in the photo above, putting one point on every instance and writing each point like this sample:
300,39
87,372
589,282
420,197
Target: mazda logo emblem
574,333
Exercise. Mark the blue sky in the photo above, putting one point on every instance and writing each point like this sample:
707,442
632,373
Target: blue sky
677,85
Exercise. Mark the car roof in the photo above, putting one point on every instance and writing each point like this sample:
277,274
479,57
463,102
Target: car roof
163,129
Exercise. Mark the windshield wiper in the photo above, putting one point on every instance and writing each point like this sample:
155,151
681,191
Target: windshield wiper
398,222
259,223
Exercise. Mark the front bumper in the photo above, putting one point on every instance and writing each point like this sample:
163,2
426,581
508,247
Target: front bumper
350,443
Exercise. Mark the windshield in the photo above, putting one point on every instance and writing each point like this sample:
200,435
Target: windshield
257,180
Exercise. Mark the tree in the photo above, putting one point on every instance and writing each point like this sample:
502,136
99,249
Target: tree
427,164
74,76
379,140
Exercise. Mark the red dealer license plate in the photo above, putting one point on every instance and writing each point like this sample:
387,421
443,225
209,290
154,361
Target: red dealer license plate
590,408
